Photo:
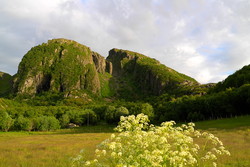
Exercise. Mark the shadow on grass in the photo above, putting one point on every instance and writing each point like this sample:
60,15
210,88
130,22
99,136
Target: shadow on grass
225,123
77,130
88,129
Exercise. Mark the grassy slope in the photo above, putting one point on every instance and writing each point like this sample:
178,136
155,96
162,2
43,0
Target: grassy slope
55,148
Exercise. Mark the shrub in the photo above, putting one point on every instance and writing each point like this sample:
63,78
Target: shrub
53,123
140,144
81,117
5,121
90,117
64,120
137,108
121,111
45,123
147,109
22,123
76,116
112,114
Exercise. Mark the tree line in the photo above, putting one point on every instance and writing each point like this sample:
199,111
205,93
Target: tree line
228,103
46,118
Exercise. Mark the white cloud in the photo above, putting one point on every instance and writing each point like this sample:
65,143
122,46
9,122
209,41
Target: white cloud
203,39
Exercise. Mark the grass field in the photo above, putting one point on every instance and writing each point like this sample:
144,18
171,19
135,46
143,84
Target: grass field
226,123
235,134
47,149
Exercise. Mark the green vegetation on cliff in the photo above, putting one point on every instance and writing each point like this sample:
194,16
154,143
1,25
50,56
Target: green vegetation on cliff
106,84
145,75
6,103
5,84
57,66
235,80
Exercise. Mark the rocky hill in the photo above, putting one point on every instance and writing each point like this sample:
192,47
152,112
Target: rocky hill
137,73
60,66
67,67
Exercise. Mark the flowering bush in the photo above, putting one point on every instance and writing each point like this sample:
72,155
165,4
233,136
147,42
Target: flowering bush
139,144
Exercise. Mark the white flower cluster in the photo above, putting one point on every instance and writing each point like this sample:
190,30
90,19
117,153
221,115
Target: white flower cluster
140,144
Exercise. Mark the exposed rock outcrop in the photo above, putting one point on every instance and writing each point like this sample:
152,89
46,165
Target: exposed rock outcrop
118,58
101,64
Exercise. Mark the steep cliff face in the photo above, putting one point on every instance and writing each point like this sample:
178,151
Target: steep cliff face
101,64
57,66
147,74
118,59
5,84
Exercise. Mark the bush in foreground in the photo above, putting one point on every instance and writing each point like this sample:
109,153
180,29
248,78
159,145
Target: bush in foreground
140,144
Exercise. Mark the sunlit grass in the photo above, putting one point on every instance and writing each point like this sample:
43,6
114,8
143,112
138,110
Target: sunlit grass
235,134
47,148
237,142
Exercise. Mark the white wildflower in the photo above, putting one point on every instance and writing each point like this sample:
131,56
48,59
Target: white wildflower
142,144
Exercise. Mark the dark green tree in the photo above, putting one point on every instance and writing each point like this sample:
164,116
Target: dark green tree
121,111
64,120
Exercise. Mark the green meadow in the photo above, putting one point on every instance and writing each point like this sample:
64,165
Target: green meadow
46,149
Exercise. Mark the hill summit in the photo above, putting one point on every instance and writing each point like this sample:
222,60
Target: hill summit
65,66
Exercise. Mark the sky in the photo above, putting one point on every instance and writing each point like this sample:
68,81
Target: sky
205,39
